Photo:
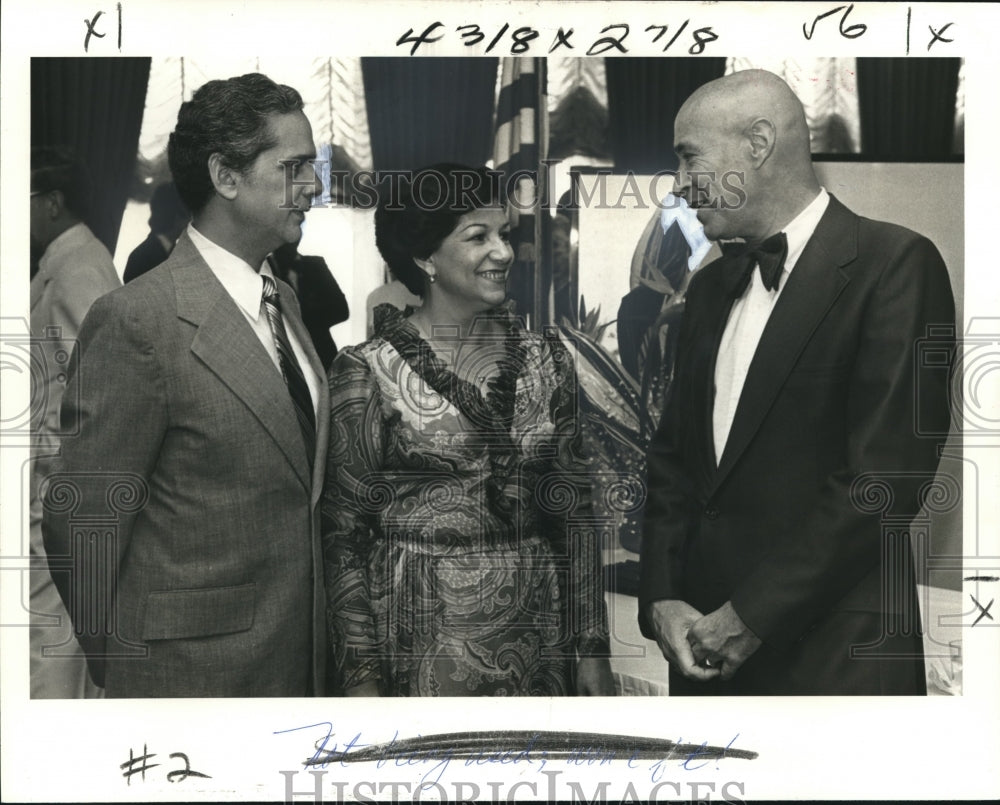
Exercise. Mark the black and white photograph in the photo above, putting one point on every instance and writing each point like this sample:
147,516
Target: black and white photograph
537,350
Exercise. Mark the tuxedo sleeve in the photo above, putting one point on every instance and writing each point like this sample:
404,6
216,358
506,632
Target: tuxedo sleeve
824,557
113,418
671,511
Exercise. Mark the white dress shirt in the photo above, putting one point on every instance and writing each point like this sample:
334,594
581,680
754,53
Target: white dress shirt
246,288
746,323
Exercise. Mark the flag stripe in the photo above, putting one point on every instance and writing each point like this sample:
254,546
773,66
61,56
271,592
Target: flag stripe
521,94
513,136
518,145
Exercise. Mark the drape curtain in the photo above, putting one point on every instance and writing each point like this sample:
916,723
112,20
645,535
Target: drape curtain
422,111
577,102
94,105
907,107
827,88
643,98
331,90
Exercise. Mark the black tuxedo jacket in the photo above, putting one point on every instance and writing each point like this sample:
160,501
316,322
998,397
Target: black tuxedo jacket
795,524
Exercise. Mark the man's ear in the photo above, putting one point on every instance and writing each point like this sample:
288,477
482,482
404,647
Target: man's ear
761,136
55,203
224,178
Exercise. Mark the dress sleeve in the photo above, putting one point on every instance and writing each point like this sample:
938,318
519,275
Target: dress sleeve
575,526
348,509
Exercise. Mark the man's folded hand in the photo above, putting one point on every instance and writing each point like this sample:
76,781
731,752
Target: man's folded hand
671,621
721,639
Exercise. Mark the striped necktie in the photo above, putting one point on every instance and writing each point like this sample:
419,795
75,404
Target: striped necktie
290,370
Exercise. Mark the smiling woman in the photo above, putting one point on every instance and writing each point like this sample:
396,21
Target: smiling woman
454,472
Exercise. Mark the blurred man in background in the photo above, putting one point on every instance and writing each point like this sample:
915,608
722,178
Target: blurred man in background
74,269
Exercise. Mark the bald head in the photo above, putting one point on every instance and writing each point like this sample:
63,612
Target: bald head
739,100
750,123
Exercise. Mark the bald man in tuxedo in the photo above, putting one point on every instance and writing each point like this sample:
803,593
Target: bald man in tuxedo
795,391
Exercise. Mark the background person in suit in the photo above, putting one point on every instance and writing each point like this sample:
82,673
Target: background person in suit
74,269
323,303
198,396
167,219
760,567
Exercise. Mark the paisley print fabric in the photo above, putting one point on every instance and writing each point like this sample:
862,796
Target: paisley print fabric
460,553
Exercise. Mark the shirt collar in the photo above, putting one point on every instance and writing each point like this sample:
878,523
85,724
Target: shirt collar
240,280
802,227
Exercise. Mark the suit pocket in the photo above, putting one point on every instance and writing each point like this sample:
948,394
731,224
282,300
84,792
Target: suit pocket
176,614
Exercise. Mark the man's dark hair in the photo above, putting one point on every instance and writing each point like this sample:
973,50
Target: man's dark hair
414,217
228,117
59,168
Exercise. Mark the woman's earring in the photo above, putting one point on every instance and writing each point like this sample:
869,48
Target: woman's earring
431,278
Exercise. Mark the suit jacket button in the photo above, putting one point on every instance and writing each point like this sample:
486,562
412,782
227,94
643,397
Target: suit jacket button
711,513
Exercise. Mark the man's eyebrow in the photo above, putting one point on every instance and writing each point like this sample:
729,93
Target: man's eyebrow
682,147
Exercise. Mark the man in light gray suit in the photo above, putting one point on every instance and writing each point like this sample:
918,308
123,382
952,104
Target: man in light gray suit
181,522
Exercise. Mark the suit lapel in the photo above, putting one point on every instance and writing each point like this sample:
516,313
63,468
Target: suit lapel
229,347
813,286
293,319
710,337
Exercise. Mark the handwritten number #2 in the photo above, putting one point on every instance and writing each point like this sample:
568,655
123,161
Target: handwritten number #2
140,765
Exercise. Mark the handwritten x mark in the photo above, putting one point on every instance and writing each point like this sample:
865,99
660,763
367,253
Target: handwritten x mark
983,611
90,30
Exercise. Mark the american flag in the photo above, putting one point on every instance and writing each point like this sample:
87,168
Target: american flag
520,144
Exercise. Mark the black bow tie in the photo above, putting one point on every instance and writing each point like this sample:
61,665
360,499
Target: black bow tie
769,254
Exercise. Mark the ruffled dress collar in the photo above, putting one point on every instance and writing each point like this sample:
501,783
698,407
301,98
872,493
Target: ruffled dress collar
492,414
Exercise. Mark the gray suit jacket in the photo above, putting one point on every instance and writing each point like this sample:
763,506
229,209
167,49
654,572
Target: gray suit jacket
181,522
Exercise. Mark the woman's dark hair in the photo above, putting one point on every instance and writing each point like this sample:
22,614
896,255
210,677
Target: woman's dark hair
228,117
418,211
